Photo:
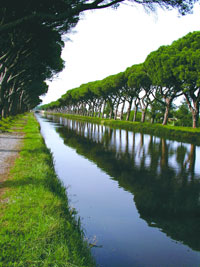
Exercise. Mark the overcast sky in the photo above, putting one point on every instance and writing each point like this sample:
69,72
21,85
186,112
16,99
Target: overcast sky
106,42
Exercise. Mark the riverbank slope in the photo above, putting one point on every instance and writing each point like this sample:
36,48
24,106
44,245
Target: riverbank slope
37,225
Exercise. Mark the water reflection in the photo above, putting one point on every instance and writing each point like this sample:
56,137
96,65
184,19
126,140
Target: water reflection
162,175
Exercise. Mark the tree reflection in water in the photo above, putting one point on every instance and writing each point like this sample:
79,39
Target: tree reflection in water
159,173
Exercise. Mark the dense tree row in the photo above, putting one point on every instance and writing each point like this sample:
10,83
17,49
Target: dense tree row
31,44
168,73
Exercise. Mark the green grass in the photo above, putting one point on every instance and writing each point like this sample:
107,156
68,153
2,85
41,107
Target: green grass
37,225
6,124
183,134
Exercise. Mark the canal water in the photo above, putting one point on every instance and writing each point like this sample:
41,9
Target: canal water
138,196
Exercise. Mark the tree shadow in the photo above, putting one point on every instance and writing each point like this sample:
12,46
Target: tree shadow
50,182
13,183
9,150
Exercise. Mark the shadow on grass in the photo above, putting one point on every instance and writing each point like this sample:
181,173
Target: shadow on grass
9,150
49,180
11,137
18,138
21,182
35,151
49,183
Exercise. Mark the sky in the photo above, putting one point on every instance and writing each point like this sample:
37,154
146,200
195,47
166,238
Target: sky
107,41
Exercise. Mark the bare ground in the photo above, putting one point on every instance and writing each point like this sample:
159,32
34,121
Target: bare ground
10,144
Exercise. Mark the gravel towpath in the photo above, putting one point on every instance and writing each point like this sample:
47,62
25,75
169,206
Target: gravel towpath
10,144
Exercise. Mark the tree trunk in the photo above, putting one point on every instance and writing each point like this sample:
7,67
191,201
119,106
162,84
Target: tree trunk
88,113
3,115
13,105
122,110
78,110
135,112
192,99
111,111
168,102
129,110
99,113
104,104
152,119
116,111
143,115
166,115
93,110
195,114
83,109
194,120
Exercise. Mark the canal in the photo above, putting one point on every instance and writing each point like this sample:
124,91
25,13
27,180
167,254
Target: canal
138,196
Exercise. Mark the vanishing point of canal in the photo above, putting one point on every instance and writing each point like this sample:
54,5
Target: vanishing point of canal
138,196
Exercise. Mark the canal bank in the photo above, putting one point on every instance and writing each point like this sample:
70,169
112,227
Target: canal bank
182,134
38,226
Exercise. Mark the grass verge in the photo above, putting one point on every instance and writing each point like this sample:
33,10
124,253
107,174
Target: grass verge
182,134
37,226
6,124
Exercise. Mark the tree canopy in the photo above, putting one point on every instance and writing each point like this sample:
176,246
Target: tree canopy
31,45
167,73
62,13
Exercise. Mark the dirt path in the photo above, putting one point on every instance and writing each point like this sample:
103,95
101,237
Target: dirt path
10,144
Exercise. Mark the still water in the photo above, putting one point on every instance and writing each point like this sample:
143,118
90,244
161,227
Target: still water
138,196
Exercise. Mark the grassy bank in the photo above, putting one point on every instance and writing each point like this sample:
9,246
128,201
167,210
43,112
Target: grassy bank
6,124
182,134
37,226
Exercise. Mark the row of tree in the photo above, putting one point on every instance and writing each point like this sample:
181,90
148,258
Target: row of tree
31,44
167,73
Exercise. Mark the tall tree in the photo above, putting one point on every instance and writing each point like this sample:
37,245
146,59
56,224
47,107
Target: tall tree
159,66
57,16
187,69
26,59
140,87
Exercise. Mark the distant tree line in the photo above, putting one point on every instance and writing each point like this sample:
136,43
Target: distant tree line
167,73
31,44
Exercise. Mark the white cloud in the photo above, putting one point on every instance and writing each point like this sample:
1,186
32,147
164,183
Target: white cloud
108,41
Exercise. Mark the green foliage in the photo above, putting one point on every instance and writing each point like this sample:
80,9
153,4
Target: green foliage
38,227
166,74
183,115
6,124
138,116
31,44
